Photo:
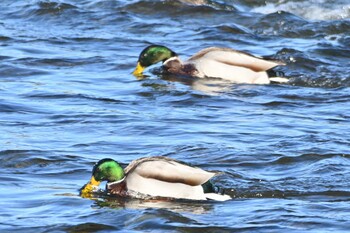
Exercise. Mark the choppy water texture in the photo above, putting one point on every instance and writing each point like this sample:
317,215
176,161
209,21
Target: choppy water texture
68,99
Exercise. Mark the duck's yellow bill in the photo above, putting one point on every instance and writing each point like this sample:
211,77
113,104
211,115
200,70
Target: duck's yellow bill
89,187
138,70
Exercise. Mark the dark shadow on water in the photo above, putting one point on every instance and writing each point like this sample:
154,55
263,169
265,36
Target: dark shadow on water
102,200
210,86
89,227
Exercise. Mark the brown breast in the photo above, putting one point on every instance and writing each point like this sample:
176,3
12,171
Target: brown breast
175,67
119,189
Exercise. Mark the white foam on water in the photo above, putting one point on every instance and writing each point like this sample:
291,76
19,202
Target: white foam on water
309,9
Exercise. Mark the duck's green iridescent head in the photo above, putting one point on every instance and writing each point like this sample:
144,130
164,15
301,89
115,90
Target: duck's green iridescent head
107,170
152,55
104,170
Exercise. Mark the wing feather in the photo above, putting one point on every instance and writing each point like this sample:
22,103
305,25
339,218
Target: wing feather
168,170
235,58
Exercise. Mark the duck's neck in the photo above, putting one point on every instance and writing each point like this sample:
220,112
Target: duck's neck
172,61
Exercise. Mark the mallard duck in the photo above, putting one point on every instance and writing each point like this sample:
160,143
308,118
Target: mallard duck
214,62
154,176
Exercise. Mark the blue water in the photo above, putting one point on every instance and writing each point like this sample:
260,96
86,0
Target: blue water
68,99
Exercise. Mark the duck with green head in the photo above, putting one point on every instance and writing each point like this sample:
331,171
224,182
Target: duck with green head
225,63
153,176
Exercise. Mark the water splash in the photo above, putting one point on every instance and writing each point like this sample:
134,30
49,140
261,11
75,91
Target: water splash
314,10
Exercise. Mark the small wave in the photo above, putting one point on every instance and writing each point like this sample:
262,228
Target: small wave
5,38
314,71
11,107
322,82
283,193
306,158
40,8
38,162
287,24
51,7
15,71
89,227
314,10
72,96
19,159
179,7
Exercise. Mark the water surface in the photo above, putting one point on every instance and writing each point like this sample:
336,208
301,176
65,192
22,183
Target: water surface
68,99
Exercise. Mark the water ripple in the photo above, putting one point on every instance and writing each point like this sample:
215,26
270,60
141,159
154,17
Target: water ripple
68,99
